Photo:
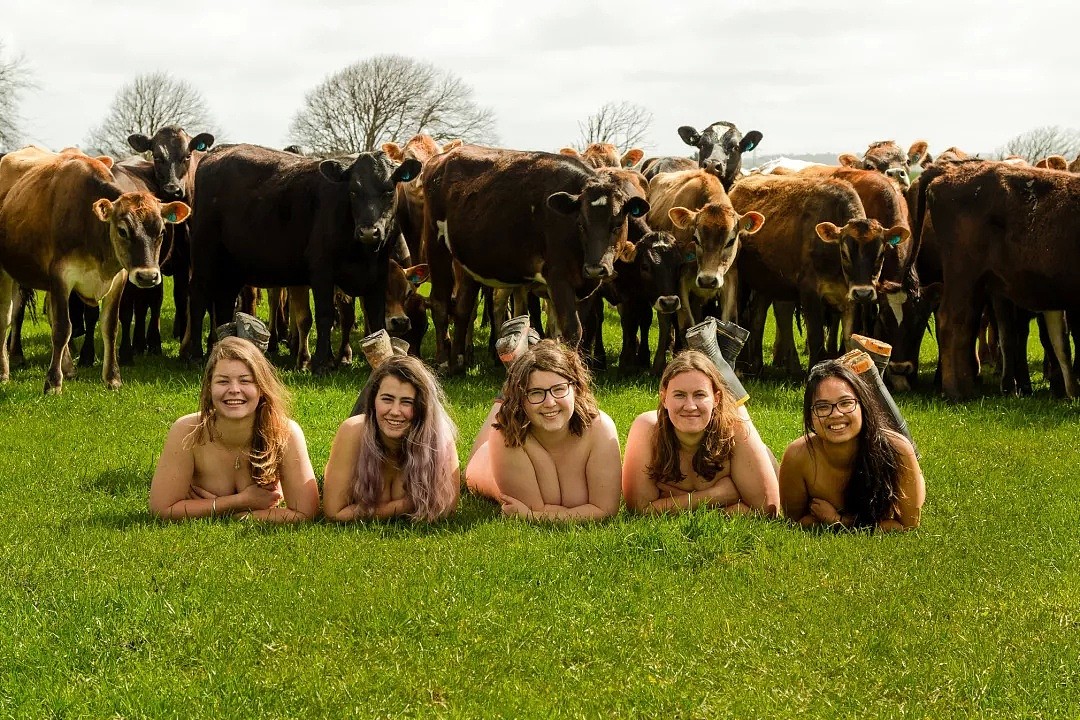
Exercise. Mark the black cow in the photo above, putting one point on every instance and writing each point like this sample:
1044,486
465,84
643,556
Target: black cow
269,218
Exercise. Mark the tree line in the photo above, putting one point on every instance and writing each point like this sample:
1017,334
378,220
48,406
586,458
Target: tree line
386,98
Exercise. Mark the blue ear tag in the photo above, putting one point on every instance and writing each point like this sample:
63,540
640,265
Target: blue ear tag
201,146
750,147
171,217
690,257
894,240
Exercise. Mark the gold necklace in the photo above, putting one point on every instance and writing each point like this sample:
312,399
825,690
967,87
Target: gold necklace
236,465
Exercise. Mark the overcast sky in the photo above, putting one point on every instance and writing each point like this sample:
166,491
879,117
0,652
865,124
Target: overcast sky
812,76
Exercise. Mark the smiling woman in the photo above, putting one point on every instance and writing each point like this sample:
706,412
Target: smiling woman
240,454
546,451
697,448
397,454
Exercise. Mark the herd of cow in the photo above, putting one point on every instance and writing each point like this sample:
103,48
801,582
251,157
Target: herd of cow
873,245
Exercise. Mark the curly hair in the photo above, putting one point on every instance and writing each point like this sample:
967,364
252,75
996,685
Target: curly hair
719,439
425,450
874,486
270,435
549,356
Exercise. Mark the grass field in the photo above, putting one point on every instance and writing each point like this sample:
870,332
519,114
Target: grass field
106,613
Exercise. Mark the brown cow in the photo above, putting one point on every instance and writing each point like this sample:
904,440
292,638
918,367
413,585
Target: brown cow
409,196
600,155
885,156
514,218
1053,162
66,225
693,206
1005,230
818,248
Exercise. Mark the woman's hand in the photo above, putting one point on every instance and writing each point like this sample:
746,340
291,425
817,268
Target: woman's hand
198,493
824,511
256,497
513,507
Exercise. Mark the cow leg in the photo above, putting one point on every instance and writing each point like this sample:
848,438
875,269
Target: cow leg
7,301
279,322
644,315
536,315
20,298
346,313
628,323
88,351
785,354
665,325
814,313
729,296
591,312
138,331
155,296
198,301
1059,341
248,300
110,315
753,352
300,321
987,342
564,303
1012,331
323,295
464,319
498,300
958,323
127,310
60,319
181,263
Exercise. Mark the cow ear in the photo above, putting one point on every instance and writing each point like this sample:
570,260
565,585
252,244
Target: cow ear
637,207
334,170
569,152
681,217
103,209
828,232
201,142
456,142
394,151
750,141
897,234
751,222
631,157
689,135
106,160
417,275
139,142
849,160
626,251
175,212
916,152
406,171
564,203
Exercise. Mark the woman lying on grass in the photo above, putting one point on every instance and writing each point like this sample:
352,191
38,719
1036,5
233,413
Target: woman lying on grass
240,454
848,468
397,456
697,448
545,451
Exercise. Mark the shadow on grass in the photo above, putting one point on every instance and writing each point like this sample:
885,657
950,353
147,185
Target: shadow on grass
119,482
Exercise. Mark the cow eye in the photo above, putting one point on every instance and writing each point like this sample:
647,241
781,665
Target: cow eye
122,231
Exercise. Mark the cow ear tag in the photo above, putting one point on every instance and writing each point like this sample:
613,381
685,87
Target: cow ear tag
751,146
637,211
690,257
171,217
894,240
201,146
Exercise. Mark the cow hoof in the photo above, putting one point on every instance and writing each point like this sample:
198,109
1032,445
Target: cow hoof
113,384
51,389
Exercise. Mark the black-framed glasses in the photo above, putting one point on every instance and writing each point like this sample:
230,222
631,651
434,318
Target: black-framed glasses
537,395
845,406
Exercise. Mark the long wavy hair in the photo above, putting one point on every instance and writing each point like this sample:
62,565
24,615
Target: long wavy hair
549,356
424,451
719,439
874,486
270,435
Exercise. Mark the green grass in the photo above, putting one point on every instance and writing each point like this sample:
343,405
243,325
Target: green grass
106,613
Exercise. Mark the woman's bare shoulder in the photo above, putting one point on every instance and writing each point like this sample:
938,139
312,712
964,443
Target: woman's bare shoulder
646,420
799,448
185,424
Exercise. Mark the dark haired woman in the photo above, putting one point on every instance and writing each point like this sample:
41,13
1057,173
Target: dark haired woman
546,451
398,456
240,454
697,448
848,468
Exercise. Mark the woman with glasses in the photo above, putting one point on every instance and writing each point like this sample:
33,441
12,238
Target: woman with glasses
849,469
546,451
698,448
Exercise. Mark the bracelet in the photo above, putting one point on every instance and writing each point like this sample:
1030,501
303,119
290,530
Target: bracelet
690,501
213,508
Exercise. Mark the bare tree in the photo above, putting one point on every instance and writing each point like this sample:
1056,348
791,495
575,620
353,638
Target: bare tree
14,78
624,125
144,105
1034,145
389,98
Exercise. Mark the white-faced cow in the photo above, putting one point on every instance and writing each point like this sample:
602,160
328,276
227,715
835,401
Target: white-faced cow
67,226
720,148
885,156
269,218
514,218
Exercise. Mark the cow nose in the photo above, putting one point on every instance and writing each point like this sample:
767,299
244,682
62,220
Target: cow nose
147,278
370,234
172,190
713,166
594,272
708,281
398,324
863,295
668,303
